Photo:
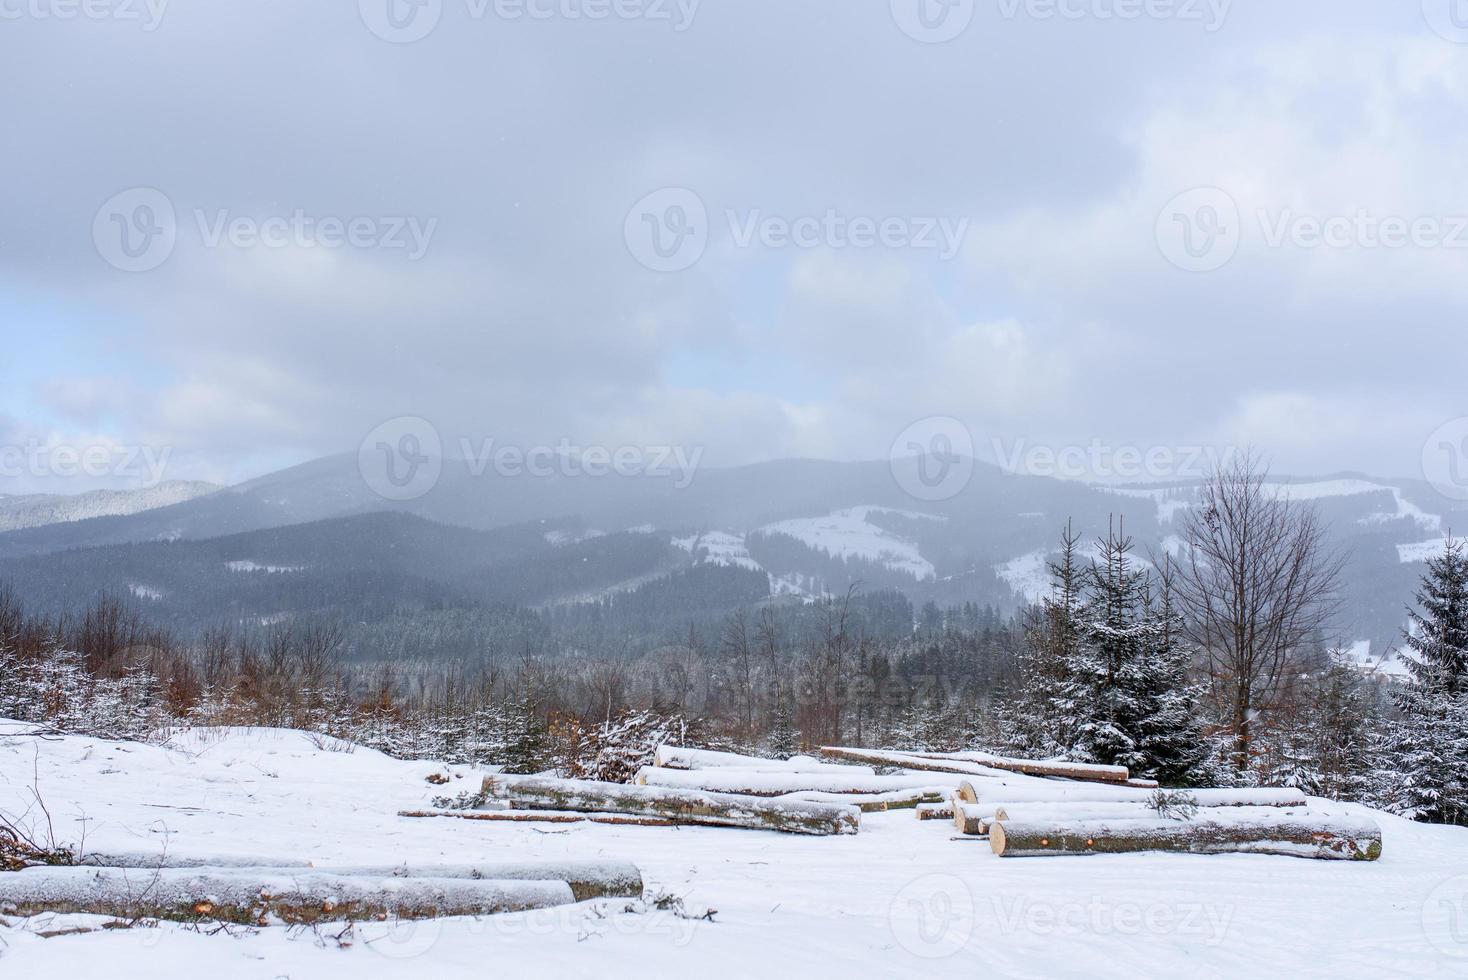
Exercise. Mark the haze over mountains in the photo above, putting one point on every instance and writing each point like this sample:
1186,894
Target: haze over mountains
317,539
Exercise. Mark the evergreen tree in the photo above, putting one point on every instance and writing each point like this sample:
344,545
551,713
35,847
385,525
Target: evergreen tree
1431,739
1171,746
784,739
1031,722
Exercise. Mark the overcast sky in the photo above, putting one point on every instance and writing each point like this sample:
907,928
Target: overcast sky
766,228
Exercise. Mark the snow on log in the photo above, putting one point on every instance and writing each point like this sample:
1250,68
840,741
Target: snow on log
934,811
904,799
588,879
680,806
1283,834
248,897
677,757
162,859
1065,770
903,760
1142,783
545,816
971,819
748,783
1023,790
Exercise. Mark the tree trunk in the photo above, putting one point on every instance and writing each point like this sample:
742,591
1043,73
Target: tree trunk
1083,772
749,783
905,799
677,757
530,816
902,760
971,819
680,806
252,898
1044,791
935,811
1292,836
588,879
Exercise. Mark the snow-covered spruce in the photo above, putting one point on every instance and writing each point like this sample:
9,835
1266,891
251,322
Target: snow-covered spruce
680,806
249,897
747,783
1283,834
1430,744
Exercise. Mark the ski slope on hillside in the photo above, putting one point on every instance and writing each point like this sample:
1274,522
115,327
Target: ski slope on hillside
902,898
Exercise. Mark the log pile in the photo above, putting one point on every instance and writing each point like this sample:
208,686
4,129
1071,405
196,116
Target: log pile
1024,807
1049,807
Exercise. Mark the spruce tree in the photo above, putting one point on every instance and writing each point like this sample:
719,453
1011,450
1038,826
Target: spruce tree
1032,722
1431,739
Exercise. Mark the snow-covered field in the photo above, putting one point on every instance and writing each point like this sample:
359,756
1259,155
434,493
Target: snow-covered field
902,898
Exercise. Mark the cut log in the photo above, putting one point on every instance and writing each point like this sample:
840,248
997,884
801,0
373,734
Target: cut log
1142,783
679,806
902,760
678,757
1291,836
747,783
588,879
160,859
546,816
935,811
971,819
1068,812
248,897
1064,770
905,799
1023,790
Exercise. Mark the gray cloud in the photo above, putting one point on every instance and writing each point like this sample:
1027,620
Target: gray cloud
527,141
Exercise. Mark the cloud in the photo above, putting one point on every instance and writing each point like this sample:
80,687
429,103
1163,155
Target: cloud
528,319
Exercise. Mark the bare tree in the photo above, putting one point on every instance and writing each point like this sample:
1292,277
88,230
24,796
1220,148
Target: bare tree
1256,582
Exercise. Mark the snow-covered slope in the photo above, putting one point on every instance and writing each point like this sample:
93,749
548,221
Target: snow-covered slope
901,899
39,510
848,534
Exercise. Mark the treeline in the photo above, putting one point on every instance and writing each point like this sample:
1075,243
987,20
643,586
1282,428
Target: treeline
1206,665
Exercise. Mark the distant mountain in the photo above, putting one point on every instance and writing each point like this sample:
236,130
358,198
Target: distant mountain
43,509
316,538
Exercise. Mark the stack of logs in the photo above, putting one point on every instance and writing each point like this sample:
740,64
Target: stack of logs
1022,807
1082,809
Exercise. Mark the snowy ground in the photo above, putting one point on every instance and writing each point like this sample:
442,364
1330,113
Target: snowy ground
902,898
